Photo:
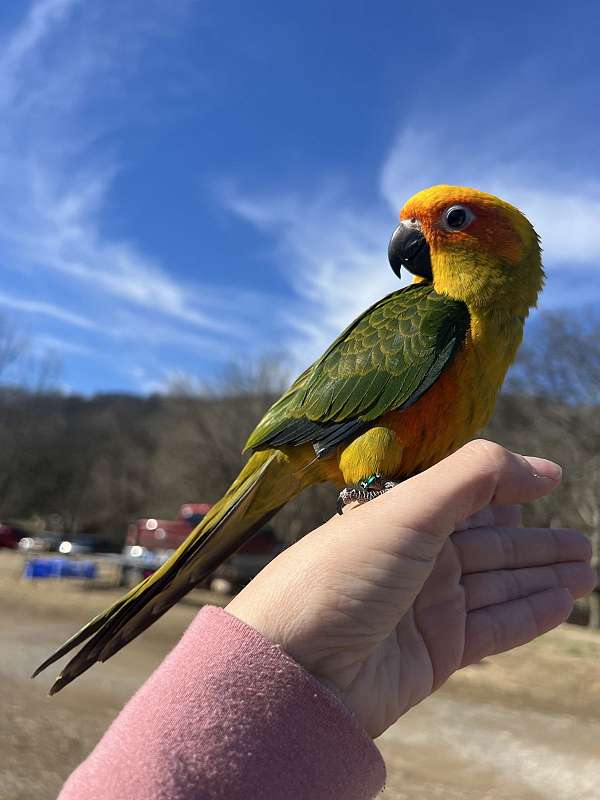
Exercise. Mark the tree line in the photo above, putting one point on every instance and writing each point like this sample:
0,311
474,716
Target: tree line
95,464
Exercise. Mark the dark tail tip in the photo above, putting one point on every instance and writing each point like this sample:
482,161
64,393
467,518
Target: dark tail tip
45,664
61,681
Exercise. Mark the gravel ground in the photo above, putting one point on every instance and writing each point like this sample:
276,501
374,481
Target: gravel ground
524,725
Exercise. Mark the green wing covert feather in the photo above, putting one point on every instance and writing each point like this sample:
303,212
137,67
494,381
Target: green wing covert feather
385,360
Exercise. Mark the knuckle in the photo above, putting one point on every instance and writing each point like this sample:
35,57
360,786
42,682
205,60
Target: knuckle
492,452
490,460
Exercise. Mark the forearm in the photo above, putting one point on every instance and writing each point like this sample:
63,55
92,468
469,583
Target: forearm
229,715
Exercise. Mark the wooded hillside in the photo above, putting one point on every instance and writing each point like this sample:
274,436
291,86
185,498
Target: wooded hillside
94,464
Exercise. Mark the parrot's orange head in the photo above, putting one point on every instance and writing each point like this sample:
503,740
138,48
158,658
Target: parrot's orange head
472,246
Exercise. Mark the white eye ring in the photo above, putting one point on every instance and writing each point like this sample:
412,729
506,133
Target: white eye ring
457,218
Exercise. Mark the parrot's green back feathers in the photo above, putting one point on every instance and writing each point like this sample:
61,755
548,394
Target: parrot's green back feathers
385,360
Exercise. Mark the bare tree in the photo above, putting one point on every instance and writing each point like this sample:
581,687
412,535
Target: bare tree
201,449
12,344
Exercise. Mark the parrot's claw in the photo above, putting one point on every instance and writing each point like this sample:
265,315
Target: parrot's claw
366,490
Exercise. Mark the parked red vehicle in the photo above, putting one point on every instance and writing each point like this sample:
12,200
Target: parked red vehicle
151,541
10,537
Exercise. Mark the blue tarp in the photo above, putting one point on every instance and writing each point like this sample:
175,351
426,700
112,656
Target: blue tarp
59,568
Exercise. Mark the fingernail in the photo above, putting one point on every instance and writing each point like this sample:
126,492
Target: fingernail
542,468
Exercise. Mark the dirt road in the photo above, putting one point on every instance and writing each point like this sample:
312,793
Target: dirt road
524,726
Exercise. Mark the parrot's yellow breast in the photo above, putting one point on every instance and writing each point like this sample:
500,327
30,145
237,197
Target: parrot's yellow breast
452,411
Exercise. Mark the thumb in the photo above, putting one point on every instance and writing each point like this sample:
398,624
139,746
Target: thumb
479,474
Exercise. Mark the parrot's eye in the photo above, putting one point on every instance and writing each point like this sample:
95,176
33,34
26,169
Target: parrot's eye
457,218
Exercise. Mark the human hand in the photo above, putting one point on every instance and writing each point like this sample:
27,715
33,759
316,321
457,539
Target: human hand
383,604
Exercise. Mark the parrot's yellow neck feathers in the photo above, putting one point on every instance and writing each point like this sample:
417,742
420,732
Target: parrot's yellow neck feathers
493,264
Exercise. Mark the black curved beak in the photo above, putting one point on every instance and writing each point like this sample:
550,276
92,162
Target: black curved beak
408,248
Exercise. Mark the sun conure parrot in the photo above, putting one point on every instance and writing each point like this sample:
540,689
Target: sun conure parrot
408,382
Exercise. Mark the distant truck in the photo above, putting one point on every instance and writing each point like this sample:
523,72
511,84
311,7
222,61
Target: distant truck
151,541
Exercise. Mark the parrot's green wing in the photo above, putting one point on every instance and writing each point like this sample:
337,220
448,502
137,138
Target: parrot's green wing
384,361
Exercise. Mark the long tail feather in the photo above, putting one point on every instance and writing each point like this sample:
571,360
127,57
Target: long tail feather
265,484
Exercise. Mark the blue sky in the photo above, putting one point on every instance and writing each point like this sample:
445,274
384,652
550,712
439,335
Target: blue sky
191,183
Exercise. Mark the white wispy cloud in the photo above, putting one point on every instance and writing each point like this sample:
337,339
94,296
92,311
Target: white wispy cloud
46,309
45,344
56,176
333,256
334,252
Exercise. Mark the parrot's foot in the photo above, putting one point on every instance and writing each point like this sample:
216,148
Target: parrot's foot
364,491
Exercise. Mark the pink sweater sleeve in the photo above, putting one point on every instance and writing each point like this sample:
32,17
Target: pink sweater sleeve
228,715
